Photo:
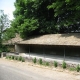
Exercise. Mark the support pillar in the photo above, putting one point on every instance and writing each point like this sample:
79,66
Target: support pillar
64,53
29,51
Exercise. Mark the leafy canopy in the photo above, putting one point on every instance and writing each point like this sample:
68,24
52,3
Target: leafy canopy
45,16
4,23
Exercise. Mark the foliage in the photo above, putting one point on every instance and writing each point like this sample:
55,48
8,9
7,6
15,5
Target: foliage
67,12
7,57
78,68
12,57
40,61
55,64
34,17
64,64
23,60
4,23
47,63
72,69
65,9
9,33
20,58
16,58
35,60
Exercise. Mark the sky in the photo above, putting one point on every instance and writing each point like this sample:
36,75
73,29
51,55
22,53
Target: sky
8,7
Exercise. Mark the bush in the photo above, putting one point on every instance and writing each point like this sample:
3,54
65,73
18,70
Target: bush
35,60
12,57
47,63
20,58
16,58
40,61
7,57
23,60
55,64
78,68
64,64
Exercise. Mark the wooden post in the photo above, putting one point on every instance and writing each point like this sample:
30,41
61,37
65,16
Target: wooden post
64,53
44,53
29,51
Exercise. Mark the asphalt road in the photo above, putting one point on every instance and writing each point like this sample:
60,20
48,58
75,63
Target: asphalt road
13,73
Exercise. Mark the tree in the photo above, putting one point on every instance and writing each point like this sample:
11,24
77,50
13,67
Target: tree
8,34
67,12
33,17
46,16
4,23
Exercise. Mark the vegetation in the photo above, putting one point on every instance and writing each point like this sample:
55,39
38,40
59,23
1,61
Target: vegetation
72,69
47,63
40,61
4,23
35,60
64,64
78,68
7,57
20,58
23,60
16,58
8,34
12,57
55,63
45,16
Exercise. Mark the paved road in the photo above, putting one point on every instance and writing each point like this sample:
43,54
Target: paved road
11,73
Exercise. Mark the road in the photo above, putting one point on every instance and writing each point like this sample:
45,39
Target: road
16,70
12,73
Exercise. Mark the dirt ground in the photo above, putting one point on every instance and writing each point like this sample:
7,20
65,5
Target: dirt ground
51,72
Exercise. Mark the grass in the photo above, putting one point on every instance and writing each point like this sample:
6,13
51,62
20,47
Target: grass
72,69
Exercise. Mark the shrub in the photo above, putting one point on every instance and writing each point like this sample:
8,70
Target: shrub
12,57
55,64
16,58
35,60
20,58
64,64
40,61
23,60
47,63
78,68
7,57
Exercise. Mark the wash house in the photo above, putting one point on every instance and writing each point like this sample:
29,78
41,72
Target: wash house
51,46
